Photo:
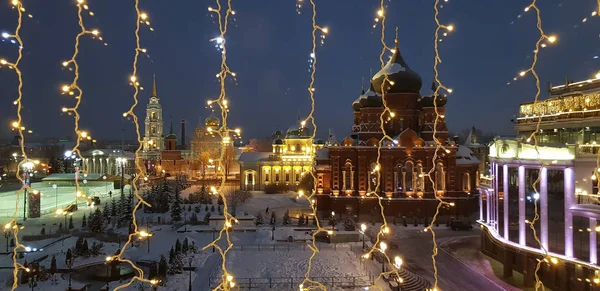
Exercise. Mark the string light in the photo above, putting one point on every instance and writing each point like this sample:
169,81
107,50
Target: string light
312,284
141,17
552,39
73,89
223,15
18,5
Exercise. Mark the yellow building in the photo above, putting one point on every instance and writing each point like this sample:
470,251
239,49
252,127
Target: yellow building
292,157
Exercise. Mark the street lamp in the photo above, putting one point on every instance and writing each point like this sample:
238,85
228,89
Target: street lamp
56,196
105,184
147,235
154,283
363,228
190,259
7,228
382,247
397,262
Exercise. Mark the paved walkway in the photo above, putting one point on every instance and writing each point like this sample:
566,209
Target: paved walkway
205,272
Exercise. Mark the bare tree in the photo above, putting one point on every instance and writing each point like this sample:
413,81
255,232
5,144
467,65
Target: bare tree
235,198
260,145
229,156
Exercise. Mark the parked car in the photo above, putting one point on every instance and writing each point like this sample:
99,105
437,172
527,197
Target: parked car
71,208
94,201
460,225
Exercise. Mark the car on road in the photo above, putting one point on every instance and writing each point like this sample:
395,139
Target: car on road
460,225
71,208
94,201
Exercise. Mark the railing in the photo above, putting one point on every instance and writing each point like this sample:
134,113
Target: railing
293,282
293,247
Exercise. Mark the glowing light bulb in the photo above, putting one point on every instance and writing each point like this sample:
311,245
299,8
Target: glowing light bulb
5,35
522,73
95,32
450,27
552,38
325,30
3,62
380,13
144,16
133,78
15,124
598,75
80,1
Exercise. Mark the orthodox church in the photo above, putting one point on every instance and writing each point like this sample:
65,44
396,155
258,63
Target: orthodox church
347,171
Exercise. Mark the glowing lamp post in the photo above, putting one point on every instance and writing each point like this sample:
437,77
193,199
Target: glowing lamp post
382,248
7,228
56,195
147,235
363,228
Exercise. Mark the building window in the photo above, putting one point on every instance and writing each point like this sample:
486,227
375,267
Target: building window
477,178
347,176
153,115
420,179
373,178
287,177
409,180
398,175
276,177
153,129
440,182
267,174
297,176
466,182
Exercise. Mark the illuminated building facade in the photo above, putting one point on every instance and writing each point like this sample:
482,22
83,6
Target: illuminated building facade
292,157
563,169
154,141
347,171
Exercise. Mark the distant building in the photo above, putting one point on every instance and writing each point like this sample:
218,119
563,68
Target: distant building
153,141
479,149
558,176
292,158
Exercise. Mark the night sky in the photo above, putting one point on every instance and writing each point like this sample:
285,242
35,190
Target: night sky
268,48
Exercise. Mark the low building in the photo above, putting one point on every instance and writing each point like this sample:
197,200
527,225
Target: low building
292,157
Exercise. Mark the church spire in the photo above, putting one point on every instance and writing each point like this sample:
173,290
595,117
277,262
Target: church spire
171,130
154,94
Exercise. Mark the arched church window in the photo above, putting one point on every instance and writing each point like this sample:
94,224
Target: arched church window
409,181
466,182
373,177
440,182
420,180
348,175
398,178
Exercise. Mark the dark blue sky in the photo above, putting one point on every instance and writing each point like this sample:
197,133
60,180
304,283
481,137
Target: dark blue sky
268,48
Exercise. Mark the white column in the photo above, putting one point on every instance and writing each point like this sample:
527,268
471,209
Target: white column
569,178
522,234
544,206
593,250
496,218
505,190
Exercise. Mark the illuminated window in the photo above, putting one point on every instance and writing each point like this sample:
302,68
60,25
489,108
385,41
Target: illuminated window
466,182
409,181
440,182
277,177
420,179
373,177
348,175
287,177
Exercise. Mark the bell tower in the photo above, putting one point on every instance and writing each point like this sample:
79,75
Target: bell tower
153,130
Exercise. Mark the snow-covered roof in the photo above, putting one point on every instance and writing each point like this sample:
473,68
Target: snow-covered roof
390,68
238,217
464,156
323,154
251,157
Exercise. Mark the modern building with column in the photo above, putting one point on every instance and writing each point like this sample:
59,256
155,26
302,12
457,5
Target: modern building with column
553,184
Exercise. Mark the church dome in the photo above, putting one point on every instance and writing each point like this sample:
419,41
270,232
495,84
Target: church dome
400,77
278,141
440,101
212,121
370,99
171,136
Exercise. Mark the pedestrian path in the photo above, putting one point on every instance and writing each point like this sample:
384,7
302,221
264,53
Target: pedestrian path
203,273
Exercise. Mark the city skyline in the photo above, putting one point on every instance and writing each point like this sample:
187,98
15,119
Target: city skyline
269,53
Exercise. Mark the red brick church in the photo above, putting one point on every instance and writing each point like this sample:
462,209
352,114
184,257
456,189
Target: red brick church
347,171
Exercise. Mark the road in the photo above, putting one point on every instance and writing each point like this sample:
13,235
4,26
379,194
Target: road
51,198
415,247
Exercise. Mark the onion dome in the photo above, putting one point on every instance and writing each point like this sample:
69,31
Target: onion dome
370,99
212,121
303,131
400,77
278,141
318,141
440,100
356,104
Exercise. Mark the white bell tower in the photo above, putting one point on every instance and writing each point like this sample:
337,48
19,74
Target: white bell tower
154,139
